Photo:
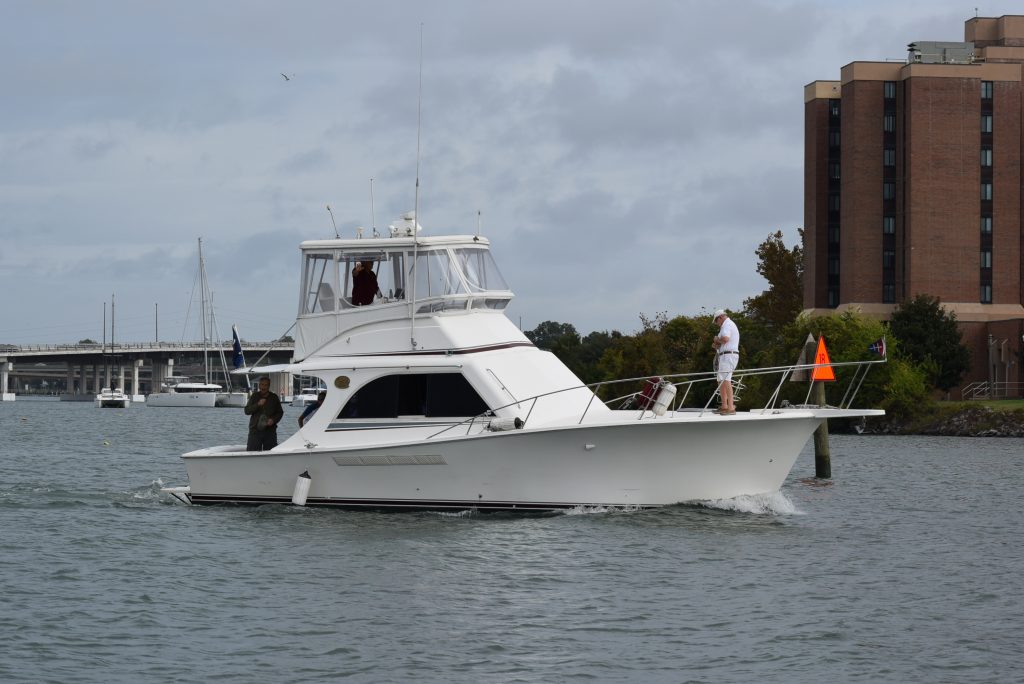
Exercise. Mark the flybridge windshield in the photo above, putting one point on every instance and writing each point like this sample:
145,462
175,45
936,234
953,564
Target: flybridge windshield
480,270
333,280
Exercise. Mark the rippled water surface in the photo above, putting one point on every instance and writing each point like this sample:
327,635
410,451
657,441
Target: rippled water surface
907,566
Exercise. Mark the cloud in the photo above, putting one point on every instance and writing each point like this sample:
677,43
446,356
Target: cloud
625,157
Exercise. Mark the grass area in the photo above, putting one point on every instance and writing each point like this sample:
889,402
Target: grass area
995,404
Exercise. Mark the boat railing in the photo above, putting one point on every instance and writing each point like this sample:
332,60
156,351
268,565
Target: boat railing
686,382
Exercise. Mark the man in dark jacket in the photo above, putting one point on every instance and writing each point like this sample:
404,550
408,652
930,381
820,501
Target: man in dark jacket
265,412
364,284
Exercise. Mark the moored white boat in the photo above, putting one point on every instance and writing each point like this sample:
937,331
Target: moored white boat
234,399
112,398
179,391
437,401
305,397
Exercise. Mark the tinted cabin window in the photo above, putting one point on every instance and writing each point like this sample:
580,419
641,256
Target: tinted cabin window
449,394
423,394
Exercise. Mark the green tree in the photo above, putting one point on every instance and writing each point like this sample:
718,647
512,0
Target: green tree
931,338
783,268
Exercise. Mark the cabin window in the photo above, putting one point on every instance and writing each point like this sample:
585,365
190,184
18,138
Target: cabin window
420,394
318,284
481,272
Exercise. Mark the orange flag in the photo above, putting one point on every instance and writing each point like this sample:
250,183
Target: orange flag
823,373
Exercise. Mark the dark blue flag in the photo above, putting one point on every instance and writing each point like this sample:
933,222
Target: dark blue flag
878,346
238,359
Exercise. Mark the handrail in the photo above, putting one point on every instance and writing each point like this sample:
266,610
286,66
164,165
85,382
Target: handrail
983,389
688,379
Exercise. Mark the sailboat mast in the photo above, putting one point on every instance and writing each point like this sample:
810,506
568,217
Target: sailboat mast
109,383
202,312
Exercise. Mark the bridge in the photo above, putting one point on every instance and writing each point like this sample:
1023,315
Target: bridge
68,368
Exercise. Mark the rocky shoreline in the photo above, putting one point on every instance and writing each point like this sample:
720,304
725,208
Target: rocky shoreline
952,421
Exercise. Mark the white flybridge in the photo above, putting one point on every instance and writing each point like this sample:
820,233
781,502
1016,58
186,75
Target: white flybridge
437,401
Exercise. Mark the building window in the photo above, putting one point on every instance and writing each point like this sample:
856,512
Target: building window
889,156
833,170
888,258
833,138
889,225
888,190
833,266
986,224
889,122
833,298
889,90
888,293
986,258
986,90
986,123
833,202
986,191
986,156
986,294
833,108
833,235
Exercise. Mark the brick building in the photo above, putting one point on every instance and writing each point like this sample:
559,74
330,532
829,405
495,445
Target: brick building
913,184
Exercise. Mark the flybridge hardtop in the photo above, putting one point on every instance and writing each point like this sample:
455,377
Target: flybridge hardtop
435,400
419,282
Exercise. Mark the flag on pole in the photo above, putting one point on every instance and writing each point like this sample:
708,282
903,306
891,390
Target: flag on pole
238,358
878,347
823,371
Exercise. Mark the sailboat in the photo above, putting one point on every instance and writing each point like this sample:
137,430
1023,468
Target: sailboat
176,391
110,397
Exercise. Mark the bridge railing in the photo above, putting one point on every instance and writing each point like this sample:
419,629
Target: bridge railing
135,346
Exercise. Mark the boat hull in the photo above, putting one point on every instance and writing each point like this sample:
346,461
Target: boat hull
182,399
626,464
231,399
113,403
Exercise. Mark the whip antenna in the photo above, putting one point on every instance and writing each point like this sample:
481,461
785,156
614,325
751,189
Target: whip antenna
373,215
332,222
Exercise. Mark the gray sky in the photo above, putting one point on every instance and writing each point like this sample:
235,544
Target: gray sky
627,157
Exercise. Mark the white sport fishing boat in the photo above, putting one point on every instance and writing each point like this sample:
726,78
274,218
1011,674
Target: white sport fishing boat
436,400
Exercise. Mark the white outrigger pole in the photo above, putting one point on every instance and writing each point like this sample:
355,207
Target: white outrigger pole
416,201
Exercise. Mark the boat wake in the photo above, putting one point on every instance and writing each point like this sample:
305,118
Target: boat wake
775,503
590,510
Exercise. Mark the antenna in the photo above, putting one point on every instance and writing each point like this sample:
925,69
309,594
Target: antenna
478,223
416,199
373,215
332,221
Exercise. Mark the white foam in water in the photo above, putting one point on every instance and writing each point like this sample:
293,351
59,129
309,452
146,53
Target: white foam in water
588,510
775,503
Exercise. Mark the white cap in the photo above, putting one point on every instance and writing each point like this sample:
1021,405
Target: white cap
719,312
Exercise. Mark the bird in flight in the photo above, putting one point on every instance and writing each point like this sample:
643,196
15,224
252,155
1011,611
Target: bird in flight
287,77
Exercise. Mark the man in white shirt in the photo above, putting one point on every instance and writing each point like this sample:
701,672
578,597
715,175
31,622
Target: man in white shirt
727,350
